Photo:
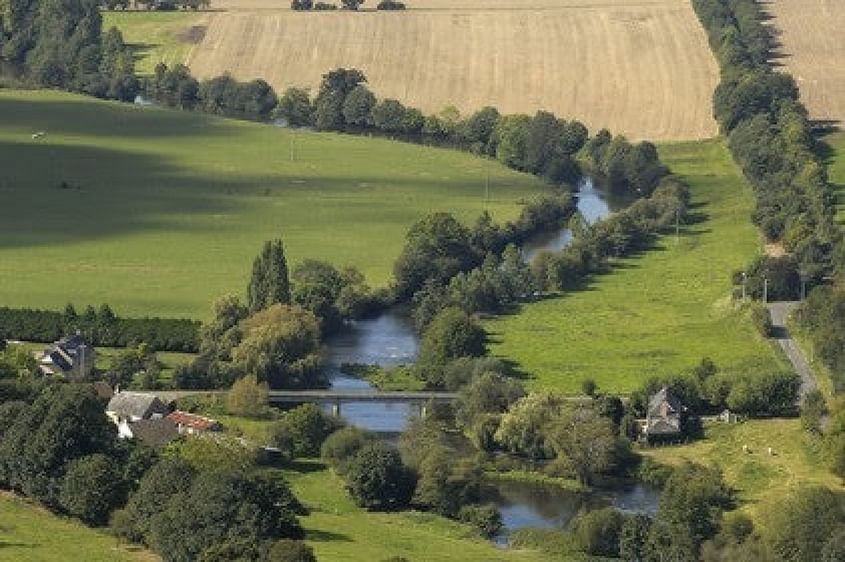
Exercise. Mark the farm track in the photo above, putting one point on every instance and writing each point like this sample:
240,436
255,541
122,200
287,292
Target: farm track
812,49
643,69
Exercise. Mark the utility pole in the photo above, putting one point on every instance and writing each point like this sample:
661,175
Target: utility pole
765,290
744,279
292,146
678,225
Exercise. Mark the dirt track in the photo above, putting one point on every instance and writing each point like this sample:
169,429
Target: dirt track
638,67
813,48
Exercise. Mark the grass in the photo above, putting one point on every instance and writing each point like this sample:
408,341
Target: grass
340,531
761,480
155,36
657,313
163,211
837,171
29,532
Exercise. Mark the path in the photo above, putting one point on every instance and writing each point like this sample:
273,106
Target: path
779,312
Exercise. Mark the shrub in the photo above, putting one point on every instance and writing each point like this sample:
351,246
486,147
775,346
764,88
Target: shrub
287,550
307,426
377,480
598,531
248,398
341,447
762,320
390,5
486,519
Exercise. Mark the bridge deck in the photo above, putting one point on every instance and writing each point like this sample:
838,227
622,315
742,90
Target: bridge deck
358,396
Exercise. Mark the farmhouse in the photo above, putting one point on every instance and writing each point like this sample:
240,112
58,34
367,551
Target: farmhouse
70,356
127,408
154,432
664,416
192,424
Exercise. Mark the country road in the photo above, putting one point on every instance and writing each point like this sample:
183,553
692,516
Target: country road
779,312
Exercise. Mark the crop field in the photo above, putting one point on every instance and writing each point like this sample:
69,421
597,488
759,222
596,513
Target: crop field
812,50
659,313
638,67
159,212
29,532
761,480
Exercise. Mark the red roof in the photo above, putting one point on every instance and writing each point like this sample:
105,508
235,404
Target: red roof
192,421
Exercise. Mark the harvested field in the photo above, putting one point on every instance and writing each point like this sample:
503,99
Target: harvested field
812,50
642,68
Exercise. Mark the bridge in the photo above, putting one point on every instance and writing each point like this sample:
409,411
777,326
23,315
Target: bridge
335,397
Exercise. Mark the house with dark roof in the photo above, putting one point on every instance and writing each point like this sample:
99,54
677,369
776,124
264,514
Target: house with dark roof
126,408
664,417
71,356
193,424
153,432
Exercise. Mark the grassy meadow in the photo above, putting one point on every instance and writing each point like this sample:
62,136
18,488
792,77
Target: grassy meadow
158,212
156,37
657,313
761,480
29,532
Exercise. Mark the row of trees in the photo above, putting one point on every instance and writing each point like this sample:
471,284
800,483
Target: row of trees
770,135
101,327
823,315
62,45
161,5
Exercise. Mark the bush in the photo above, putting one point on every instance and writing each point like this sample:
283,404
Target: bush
377,480
341,447
486,519
287,550
762,320
306,426
248,398
598,531
390,5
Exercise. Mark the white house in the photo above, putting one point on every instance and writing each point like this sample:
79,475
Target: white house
126,408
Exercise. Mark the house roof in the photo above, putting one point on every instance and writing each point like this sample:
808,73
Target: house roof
104,390
661,397
193,421
156,432
135,405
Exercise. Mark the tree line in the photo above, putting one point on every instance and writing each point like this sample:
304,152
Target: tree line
62,45
160,5
351,5
101,327
770,135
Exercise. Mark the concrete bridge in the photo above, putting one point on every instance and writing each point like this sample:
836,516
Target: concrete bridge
337,397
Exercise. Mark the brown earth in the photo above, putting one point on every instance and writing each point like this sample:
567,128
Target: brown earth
812,33
638,67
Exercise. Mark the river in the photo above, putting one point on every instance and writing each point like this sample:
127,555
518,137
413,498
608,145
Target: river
390,340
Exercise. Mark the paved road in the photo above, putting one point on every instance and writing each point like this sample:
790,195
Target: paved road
779,312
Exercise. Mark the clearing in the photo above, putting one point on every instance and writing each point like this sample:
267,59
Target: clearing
658,313
158,212
642,68
761,480
30,532
812,50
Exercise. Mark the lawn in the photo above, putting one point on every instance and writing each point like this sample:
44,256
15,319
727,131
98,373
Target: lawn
338,530
761,480
31,533
157,37
158,212
837,171
657,313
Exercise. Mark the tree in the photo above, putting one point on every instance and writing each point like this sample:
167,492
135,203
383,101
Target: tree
377,480
805,522
221,453
167,478
352,4
358,105
450,335
634,536
295,107
340,447
477,130
524,429
269,283
388,115
598,532
511,138
248,398
586,440
92,488
221,505
317,287
286,550
280,346
488,393
307,426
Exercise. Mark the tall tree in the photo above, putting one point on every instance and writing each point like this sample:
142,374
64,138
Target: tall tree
269,283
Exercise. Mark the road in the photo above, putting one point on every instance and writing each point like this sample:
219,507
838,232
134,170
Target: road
779,312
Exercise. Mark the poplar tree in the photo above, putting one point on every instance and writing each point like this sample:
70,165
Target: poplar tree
269,283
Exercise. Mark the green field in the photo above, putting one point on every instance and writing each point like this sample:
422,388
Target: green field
761,480
163,211
155,36
31,533
657,313
340,531
837,171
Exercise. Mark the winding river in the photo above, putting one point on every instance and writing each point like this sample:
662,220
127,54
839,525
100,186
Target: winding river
390,340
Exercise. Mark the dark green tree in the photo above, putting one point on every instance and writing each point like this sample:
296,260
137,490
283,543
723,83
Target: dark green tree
92,487
269,283
377,479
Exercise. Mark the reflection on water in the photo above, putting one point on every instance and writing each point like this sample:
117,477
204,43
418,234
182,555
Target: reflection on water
524,505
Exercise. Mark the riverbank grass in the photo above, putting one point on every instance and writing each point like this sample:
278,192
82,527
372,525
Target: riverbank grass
157,37
657,313
159,212
340,531
29,532
761,480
